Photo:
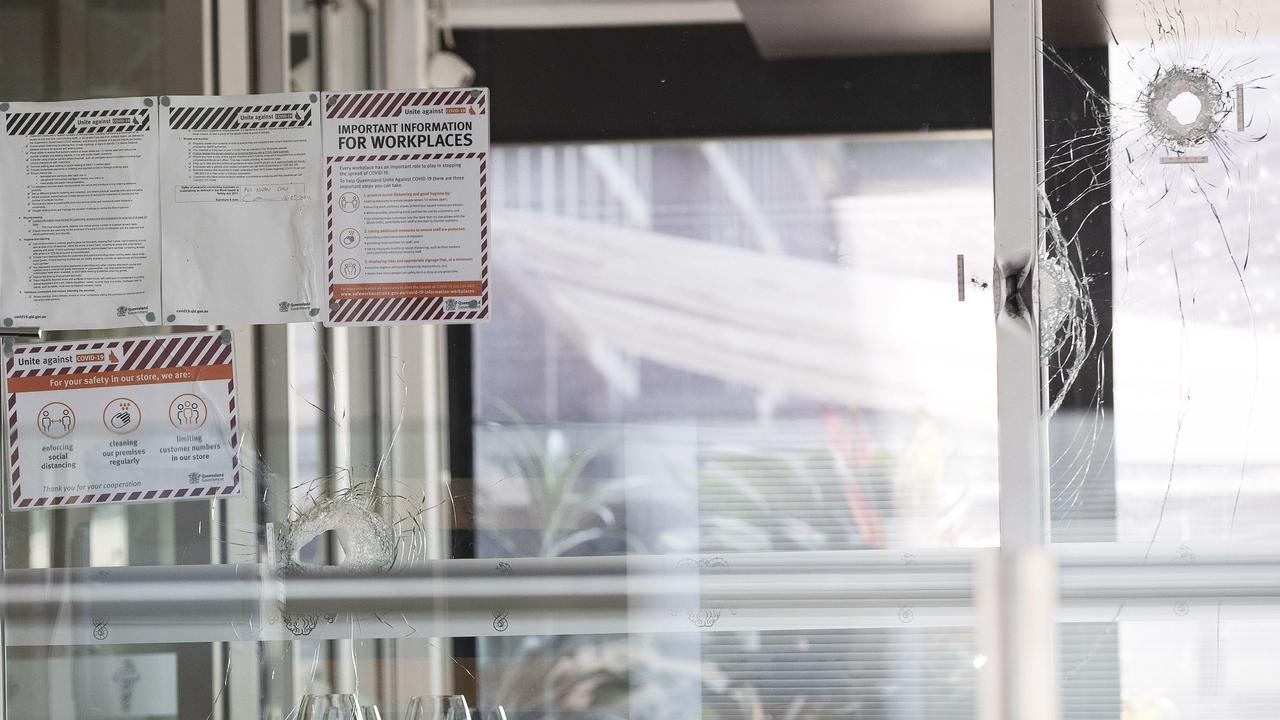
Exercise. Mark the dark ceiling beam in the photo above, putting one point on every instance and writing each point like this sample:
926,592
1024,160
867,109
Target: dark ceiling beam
628,83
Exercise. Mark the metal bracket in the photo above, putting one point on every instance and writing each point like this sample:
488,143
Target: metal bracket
25,333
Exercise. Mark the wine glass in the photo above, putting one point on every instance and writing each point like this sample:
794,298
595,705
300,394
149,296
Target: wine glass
438,707
330,707
492,712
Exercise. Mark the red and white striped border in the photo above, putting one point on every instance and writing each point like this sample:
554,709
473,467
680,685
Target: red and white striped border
383,104
171,351
419,309
195,117
63,122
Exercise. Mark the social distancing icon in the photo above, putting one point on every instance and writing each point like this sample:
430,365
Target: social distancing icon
56,420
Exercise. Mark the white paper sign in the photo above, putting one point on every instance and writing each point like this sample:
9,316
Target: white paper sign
406,195
79,214
137,420
239,182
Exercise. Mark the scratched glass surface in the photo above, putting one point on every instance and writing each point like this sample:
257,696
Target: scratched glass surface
1159,326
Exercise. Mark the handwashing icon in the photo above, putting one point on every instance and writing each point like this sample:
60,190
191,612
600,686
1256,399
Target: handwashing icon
122,416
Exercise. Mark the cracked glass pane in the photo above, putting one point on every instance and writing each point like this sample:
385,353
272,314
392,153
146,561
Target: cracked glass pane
1160,333
1157,336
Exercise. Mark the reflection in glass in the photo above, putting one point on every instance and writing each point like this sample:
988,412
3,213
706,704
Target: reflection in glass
47,54
764,357
736,374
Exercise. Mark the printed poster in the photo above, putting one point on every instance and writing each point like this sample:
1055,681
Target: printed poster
79,214
406,206
239,184
115,421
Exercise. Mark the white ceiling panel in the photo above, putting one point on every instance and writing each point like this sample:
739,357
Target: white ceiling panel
818,28
589,13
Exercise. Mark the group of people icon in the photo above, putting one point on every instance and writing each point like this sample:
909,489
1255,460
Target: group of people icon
187,412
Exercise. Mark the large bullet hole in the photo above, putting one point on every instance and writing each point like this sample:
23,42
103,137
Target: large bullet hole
1184,107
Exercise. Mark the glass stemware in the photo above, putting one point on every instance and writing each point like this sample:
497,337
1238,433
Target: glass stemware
438,707
330,707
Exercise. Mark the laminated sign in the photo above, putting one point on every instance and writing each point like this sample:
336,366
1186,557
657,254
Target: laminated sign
406,206
239,179
359,208
79,214
137,420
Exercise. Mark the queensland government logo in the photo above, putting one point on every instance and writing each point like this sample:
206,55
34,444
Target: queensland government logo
455,305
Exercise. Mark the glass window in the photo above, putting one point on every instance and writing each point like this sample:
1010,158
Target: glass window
736,441
1158,336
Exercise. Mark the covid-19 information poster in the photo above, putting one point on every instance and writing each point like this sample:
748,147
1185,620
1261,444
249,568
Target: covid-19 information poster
406,206
116,421
79,214
353,208
239,186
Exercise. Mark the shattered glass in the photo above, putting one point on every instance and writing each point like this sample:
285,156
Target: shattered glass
1157,318
1169,148
368,542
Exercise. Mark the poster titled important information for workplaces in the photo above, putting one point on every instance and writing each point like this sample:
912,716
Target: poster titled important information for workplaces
148,419
407,218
